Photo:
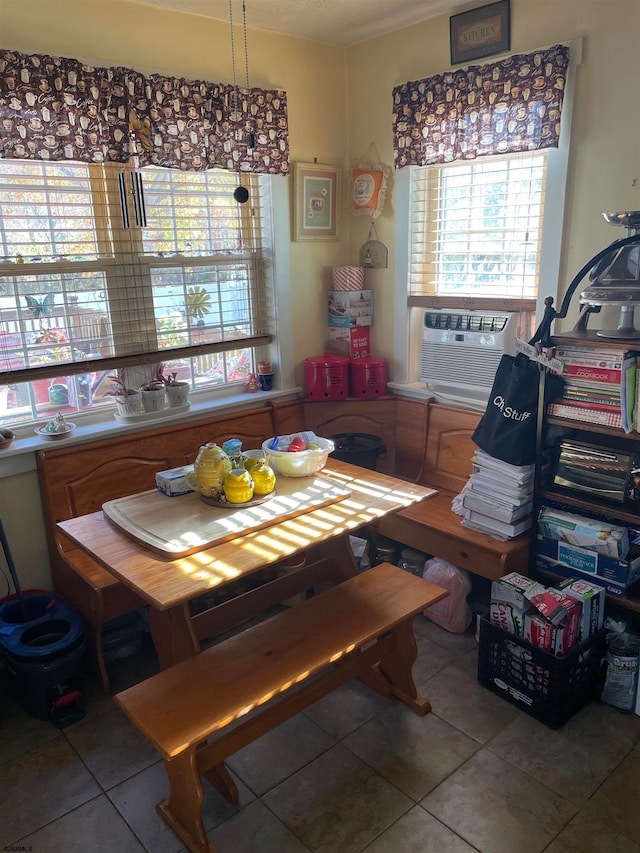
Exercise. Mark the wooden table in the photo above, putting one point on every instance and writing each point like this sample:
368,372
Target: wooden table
168,585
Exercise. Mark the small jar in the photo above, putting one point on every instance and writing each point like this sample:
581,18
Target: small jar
238,486
386,551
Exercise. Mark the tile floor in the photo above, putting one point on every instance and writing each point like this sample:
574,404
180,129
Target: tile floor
354,772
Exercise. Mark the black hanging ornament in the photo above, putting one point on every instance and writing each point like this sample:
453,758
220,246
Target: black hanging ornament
241,193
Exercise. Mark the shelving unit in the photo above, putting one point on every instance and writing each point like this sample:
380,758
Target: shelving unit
583,431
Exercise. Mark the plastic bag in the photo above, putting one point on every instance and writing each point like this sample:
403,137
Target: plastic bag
622,665
452,613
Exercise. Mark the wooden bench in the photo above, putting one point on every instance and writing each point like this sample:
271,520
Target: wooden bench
78,479
360,628
432,526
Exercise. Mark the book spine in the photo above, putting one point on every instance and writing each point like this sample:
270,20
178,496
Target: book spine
590,402
587,415
594,374
609,359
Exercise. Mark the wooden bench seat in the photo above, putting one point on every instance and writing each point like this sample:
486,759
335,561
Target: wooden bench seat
360,628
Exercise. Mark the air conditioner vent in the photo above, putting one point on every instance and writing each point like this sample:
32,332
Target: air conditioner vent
469,322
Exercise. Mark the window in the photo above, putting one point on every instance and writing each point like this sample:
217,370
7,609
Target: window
476,228
102,266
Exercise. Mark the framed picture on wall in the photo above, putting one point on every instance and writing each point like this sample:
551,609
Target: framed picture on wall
316,198
480,32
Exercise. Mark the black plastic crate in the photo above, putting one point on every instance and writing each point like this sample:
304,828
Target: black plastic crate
549,688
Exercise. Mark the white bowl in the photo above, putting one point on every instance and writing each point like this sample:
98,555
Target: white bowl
303,464
55,436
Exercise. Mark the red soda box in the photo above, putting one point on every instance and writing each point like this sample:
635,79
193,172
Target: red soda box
592,598
539,632
549,605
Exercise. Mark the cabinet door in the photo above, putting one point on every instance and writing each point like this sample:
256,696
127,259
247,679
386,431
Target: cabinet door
372,417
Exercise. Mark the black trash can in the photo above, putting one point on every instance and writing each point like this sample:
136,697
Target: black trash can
358,448
42,642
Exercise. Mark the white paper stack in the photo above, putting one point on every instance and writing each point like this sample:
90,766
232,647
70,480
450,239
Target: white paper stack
498,497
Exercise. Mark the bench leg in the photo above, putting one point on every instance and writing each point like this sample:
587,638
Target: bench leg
396,669
221,780
182,810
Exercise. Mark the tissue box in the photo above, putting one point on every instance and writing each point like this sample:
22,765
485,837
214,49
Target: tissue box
172,482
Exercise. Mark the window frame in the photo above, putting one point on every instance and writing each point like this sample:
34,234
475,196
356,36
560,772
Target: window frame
273,345
407,330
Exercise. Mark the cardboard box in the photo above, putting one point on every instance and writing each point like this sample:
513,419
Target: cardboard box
555,639
622,575
508,617
546,564
350,308
509,603
592,598
354,342
172,482
603,537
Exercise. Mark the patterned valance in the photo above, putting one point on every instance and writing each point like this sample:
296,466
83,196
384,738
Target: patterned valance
498,108
53,108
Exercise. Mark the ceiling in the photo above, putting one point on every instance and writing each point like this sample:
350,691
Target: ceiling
338,22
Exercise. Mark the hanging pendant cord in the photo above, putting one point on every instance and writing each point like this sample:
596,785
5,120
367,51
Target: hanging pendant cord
233,69
246,52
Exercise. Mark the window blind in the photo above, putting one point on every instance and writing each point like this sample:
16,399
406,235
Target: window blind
476,228
103,266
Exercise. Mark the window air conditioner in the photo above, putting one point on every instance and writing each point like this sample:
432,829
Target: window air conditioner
461,350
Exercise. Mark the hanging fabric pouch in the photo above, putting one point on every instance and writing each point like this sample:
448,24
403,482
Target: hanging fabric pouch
507,430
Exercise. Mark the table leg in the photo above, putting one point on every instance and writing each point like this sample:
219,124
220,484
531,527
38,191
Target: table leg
172,634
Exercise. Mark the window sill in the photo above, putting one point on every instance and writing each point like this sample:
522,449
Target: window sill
19,457
420,391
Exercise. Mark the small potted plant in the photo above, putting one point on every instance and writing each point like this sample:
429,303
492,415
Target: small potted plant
177,391
153,391
128,400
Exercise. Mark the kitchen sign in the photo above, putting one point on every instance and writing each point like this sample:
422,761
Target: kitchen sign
480,32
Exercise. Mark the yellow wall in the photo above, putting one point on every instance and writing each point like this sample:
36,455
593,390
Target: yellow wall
604,166
339,104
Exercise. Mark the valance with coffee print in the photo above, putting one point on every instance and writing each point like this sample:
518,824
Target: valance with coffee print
55,108
502,107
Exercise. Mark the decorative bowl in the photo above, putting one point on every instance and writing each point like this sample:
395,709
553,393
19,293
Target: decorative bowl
55,436
306,463
6,437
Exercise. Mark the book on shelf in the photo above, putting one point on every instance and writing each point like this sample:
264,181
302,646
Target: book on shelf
592,374
576,412
628,392
499,529
495,509
596,405
604,358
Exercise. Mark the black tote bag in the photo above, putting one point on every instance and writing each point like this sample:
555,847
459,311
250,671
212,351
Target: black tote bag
507,430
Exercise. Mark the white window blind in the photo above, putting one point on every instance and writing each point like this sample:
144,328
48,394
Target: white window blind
476,228
101,267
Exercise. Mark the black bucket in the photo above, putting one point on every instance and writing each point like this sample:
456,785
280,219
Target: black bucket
358,448
42,644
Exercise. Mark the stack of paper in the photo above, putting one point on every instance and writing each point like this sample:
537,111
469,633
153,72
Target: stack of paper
498,497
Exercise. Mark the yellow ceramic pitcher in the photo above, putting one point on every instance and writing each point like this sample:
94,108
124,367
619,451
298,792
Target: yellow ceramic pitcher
209,471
